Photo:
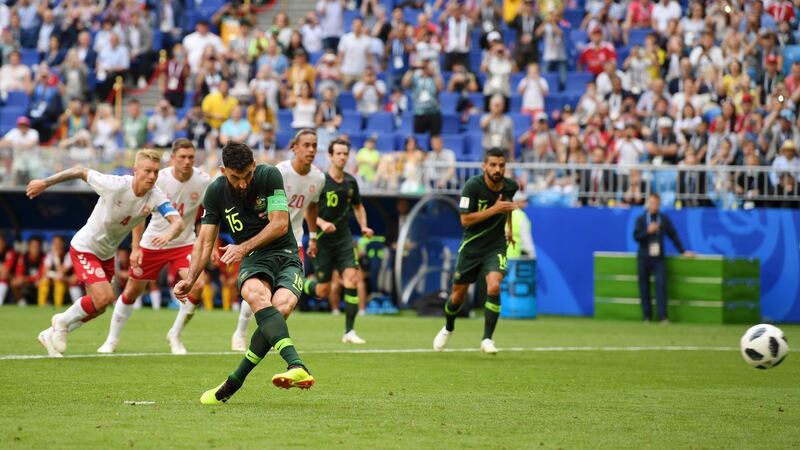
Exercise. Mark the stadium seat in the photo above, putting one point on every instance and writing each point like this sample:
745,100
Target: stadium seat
517,77
515,103
552,81
574,17
423,141
314,57
475,60
474,123
454,142
18,99
448,101
522,122
553,102
637,36
473,144
578,38
283,137
406,124
346,100
351,122
451,123
29,57
356,141
386,142
285,120
380,122
791,53
576,82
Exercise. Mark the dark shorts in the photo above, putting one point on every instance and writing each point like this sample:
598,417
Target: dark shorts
469,268
336,254
278,269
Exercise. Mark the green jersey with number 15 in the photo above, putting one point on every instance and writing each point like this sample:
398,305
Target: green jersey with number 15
245,216
490,234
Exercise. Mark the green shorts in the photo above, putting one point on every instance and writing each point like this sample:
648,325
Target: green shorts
278,269
335,254
469,268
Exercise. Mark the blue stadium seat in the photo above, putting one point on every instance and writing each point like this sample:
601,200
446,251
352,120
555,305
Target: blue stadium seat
406,124
188,100
474,123
18,99
283,137
423,141
158,39
386,142
351,122
448,101
475,60
356,141
451,123
522,122
380,122
29,57
517,77
578,38
346,100
552,81
553,102
474,144
574,17
477,99
410,15
454,142
636,36
314,57
285,120
791,53
515,103
576,82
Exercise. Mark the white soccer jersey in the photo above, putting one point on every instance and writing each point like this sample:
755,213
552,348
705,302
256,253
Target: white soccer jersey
300,191
186,198
117,211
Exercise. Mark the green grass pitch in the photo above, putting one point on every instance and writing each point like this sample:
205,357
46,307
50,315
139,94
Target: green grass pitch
532,395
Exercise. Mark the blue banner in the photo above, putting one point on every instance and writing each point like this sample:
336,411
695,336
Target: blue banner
566,238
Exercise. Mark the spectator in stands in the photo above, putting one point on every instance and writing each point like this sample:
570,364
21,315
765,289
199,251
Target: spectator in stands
48,28
331,13
74,119
266,149
428,48
497,65
217,106
381,27
295,45
597,52
197,128
369,93
693,25
368,158
45,103
103,37
14,76
86,53
173,77
398,50
554,57
168,14
498,128
274,58
138,37
691,183
443,175
648,104
526,50
784,129
268,84
638,70
610,71
788,189
259,114
328,118
662,147
409,163
104,131
634,189
539,138
300,72
57,272
239,76
28,272
354,53
75,76
662,13
767,79
112,61
328,73
281,30
236,128
163,125
207,80
596,184
457,31
311,33
8,260
29,20
54,55
534,89
134,126
706,54
750,183
7,44
786,163
23,137
640,15
304,107
195,44
425,84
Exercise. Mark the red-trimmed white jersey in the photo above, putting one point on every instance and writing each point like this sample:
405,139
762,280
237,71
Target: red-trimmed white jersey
186,198
300,191
117,211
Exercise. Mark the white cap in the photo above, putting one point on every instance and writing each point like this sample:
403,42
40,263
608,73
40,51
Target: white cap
664,122
494,36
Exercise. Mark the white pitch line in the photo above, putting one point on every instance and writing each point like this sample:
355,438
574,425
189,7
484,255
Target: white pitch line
668,348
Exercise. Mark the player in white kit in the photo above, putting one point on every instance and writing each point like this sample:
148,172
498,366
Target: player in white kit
302,182
125,202
185,187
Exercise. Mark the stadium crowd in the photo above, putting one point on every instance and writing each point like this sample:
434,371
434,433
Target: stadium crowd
667,83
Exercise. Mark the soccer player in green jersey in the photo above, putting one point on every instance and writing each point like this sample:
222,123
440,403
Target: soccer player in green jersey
250,201
485,208
335,249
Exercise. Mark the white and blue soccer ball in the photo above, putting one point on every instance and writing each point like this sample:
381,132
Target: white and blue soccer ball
764,346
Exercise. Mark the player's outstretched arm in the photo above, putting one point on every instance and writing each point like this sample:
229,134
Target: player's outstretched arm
176,226
278,226
201,252
36,187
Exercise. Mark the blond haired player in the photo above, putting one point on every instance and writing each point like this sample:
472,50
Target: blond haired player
185,186
125,201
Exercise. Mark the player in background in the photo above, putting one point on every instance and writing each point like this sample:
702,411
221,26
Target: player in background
185,186
335,241
250,200
125,201
485,208
8,257
59,274
302,182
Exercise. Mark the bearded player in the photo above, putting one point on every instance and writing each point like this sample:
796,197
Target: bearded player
185,186
125,202
302,182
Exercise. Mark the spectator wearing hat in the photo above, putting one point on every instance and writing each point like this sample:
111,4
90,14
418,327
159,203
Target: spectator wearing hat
487,14
195,44
354,53
662,147
783,130
331,13
594,57
554,57
22,137
526,50
787,162
328,73
425,84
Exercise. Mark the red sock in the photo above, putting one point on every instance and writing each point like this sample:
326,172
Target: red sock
193,300
88,308
126,301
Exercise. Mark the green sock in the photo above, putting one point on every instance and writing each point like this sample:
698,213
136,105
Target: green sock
310,288
257,351
273,326
451,310
350,308
491,312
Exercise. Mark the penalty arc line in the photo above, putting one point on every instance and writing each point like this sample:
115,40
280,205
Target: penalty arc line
669,348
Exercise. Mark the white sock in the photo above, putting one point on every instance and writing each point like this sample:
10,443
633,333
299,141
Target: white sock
185,314
74,326
118,319
138,303
75,293
155,299
3,291
74,313
245,313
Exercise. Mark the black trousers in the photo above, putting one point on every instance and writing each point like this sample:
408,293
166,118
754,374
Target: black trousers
451,58
658,267
428,123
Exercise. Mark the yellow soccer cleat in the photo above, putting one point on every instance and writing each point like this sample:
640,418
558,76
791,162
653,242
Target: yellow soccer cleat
209,397
297,376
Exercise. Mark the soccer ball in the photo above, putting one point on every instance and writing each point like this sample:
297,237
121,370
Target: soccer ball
764,346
